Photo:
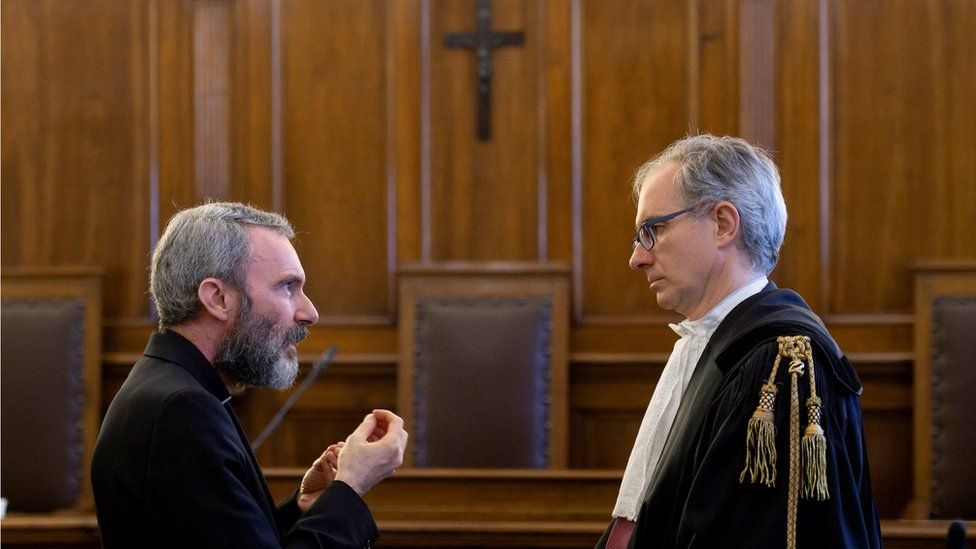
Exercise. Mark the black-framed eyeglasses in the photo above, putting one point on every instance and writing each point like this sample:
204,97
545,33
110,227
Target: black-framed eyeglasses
645,233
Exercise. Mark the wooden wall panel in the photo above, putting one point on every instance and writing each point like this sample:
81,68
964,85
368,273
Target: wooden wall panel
173,116
356,121
411,138
336,163
559,126
477,187
634,98
799,130
903,128
714,64
210,105
326,413
74,142
607,402
211,97
253,102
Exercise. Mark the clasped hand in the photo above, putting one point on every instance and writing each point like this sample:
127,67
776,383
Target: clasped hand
370,454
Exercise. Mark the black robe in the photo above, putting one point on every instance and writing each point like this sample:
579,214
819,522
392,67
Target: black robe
695,498
173,468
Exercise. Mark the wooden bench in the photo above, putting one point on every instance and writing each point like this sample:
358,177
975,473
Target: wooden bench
464,509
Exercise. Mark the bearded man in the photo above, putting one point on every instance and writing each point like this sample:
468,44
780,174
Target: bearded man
172,466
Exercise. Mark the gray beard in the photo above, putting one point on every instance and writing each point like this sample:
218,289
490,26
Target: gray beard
253,353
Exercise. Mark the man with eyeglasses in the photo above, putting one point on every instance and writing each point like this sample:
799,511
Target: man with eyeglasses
753,436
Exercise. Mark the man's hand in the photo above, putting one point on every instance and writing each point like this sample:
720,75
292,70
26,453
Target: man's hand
373,451
318,477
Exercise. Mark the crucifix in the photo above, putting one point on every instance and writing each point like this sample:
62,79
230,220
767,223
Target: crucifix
483,41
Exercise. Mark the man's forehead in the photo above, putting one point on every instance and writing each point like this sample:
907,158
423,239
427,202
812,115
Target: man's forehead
658,193
272,249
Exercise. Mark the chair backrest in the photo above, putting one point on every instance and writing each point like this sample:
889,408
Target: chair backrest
51,386
945,390
482,374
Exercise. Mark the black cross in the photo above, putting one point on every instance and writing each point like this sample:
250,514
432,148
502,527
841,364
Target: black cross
483,42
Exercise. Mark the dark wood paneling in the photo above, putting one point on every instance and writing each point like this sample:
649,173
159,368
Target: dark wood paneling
634,101
410,162
326,413
903,128
74,142
559,527
354,119
714,62
484,195
335,127
608,401
797,149
174,117
252,105
889,439
556,100
211,67
211,49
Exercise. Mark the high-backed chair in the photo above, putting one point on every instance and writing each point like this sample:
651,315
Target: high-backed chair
945,391
51,376
482,375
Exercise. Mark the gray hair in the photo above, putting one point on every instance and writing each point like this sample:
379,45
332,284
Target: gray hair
713,169
206,241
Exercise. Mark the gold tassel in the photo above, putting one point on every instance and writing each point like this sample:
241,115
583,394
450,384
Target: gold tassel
815,464
814,454
761,434
761,440
814,439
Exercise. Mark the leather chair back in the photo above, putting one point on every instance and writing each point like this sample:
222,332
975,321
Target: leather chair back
944,485
953,380
482,373
49,379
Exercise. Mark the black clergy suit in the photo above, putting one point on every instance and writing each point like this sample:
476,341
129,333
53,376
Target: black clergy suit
173,468
695,499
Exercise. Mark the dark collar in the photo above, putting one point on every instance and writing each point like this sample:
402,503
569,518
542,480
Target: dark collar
771,312
172,347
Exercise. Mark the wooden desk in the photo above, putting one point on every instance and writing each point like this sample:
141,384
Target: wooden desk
49,531
479,496
462,509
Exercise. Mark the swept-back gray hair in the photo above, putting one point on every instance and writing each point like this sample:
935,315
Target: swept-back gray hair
206,241
713,169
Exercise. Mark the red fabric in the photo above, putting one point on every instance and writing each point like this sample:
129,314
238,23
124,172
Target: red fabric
620,533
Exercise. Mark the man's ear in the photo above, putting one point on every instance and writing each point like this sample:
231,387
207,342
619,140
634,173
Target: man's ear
218,299
727,222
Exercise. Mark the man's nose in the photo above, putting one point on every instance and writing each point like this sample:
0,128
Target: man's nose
306,313
640,258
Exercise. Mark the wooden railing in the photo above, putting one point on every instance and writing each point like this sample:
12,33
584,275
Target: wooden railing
463,509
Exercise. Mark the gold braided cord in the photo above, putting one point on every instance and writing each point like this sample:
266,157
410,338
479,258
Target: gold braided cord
796,370
781,354
808,351
808,477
